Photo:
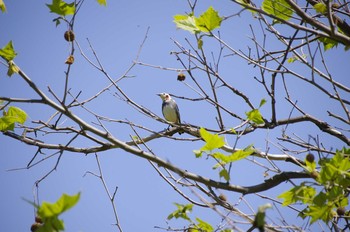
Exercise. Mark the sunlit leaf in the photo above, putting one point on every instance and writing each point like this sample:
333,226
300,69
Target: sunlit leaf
322,212
255,116
181,212
186,22
328,43
209,20
19,115
262,102
62,8
102,2
2,6
301,193
213,141
47,210
12,68
320,7
204,226
8,53
241,154
10,117
279,8
198,153
200,43
223,173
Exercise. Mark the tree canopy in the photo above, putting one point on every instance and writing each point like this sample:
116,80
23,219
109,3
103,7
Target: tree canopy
263,93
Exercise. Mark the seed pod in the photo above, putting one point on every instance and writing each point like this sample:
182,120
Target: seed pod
310,157
181,76
341,211
69,36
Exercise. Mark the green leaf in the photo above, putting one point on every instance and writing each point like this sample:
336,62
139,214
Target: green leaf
7,123
213,141
200,43
279,8
47,210
2,6
292,59
223,173
198,153
209,20
186,22
8,53
255,116
320,7
336,170
181,212
262,102
241,154
204,226
310,166
12,69
62,8
317,212
301,193
102,2
328,43
19,115
12,116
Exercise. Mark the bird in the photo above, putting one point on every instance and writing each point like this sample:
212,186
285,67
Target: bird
170,109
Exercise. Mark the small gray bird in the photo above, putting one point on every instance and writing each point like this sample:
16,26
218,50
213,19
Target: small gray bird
170,109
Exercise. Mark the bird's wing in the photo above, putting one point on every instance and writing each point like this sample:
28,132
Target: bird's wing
177,112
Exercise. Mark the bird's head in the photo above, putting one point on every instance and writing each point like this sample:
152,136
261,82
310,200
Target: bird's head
164,96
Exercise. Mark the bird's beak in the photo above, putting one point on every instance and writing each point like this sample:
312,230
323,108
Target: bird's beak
158,94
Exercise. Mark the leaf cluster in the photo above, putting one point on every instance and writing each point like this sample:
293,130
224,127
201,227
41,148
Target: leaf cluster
8,53
206,22
334,180
214,141
10,117
49,212
198,225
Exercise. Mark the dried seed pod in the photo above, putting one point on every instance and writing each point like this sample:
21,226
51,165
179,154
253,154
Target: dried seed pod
69,36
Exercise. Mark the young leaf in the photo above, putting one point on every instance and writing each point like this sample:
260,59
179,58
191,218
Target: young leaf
223,173
62,8
8,53
12,116
12,68
213,141
7,123
241,154
320,7
317,212
181,211
102,2
208,21
328,43
262,102
301,193
2,6
279,8
204,226
19,115
255,116
198,153
47,210
186,22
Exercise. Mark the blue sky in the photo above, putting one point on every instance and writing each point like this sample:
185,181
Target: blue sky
143,199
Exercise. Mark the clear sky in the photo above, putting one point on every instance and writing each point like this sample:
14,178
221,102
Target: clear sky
143,199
